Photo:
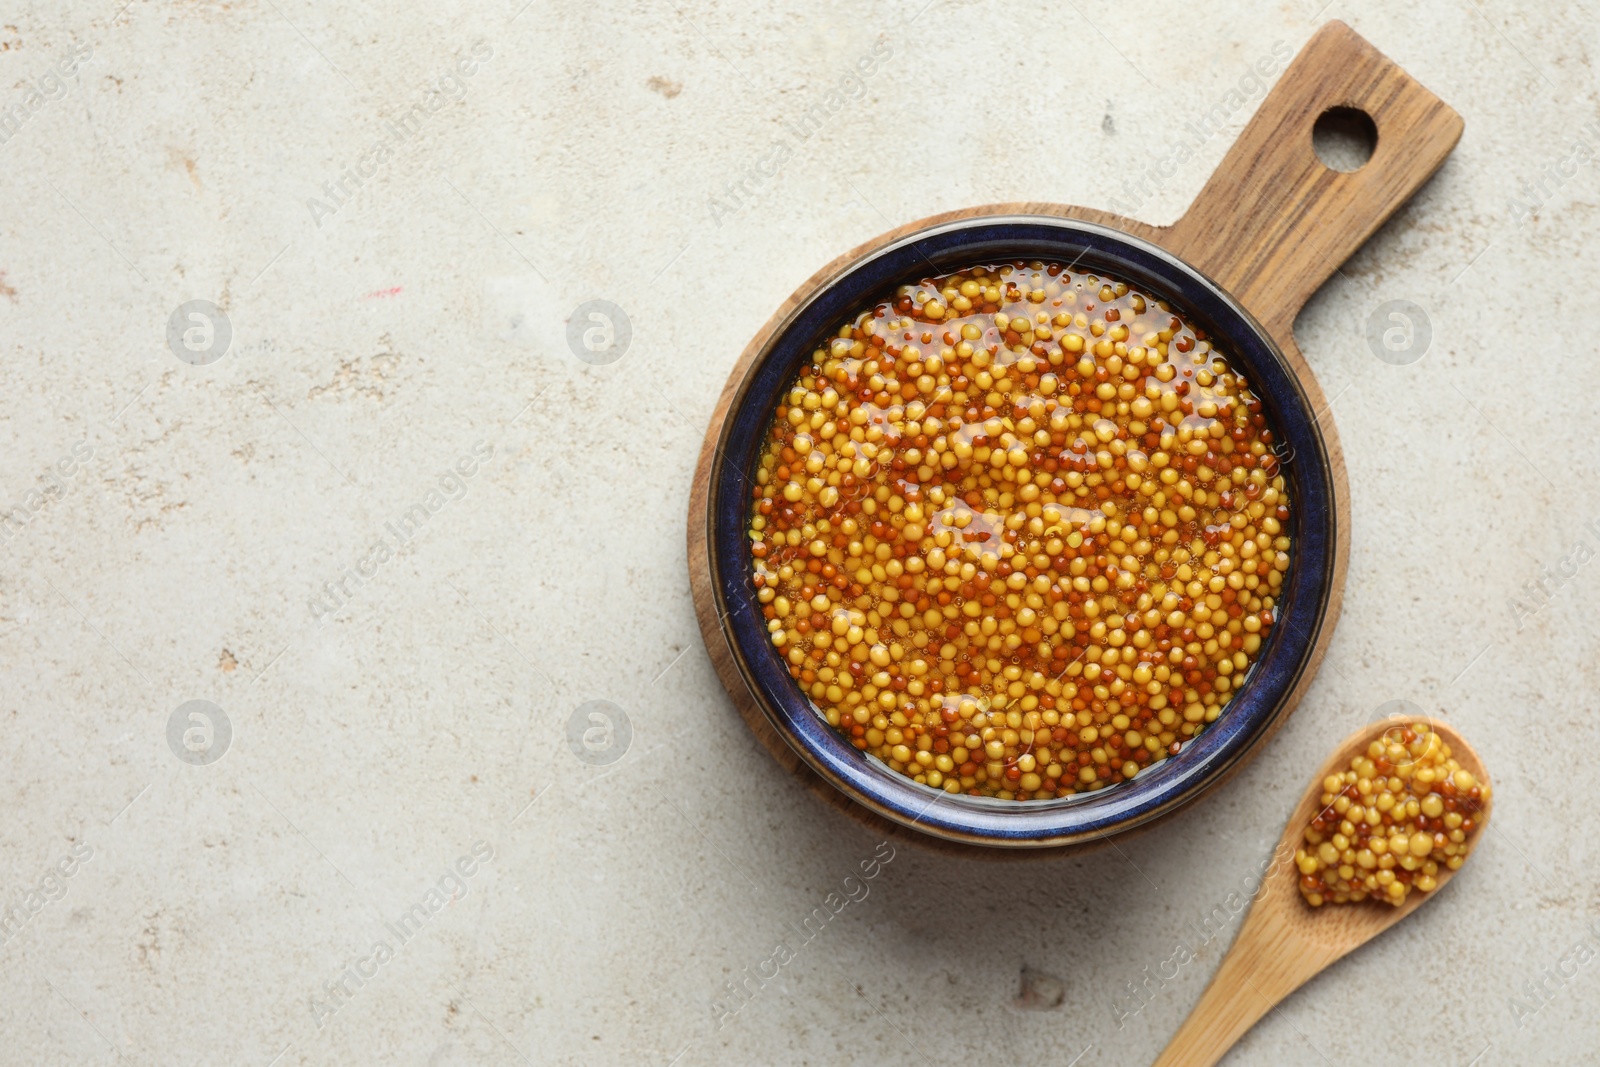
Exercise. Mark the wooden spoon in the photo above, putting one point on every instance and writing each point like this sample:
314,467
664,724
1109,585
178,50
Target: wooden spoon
1284,941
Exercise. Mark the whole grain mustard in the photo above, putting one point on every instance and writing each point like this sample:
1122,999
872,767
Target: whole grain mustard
1019,532
1404,809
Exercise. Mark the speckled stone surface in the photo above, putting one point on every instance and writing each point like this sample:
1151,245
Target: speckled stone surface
397,536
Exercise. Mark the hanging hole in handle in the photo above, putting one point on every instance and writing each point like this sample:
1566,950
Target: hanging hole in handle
1344,138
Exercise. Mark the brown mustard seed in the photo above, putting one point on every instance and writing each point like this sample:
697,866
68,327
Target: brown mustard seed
1019,533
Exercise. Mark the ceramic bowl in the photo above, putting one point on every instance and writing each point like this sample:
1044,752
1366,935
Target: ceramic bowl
1284,655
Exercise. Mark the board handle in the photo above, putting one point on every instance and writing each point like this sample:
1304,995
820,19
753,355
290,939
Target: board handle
1274,222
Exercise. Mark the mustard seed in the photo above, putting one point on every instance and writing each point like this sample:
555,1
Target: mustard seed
1422,817
1019,533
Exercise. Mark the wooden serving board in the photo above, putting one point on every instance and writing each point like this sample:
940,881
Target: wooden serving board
1271,225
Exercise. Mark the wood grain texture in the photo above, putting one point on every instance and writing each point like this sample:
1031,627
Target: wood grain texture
1270,226
1283,941
1273,223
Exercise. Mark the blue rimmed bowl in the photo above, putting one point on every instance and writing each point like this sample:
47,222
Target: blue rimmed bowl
1285,655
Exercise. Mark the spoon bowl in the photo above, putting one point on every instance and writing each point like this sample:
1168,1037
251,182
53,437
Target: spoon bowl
1284,941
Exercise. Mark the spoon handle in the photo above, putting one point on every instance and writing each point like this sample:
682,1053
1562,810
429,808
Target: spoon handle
1266,963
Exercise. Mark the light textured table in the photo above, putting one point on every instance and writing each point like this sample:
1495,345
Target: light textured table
398,534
